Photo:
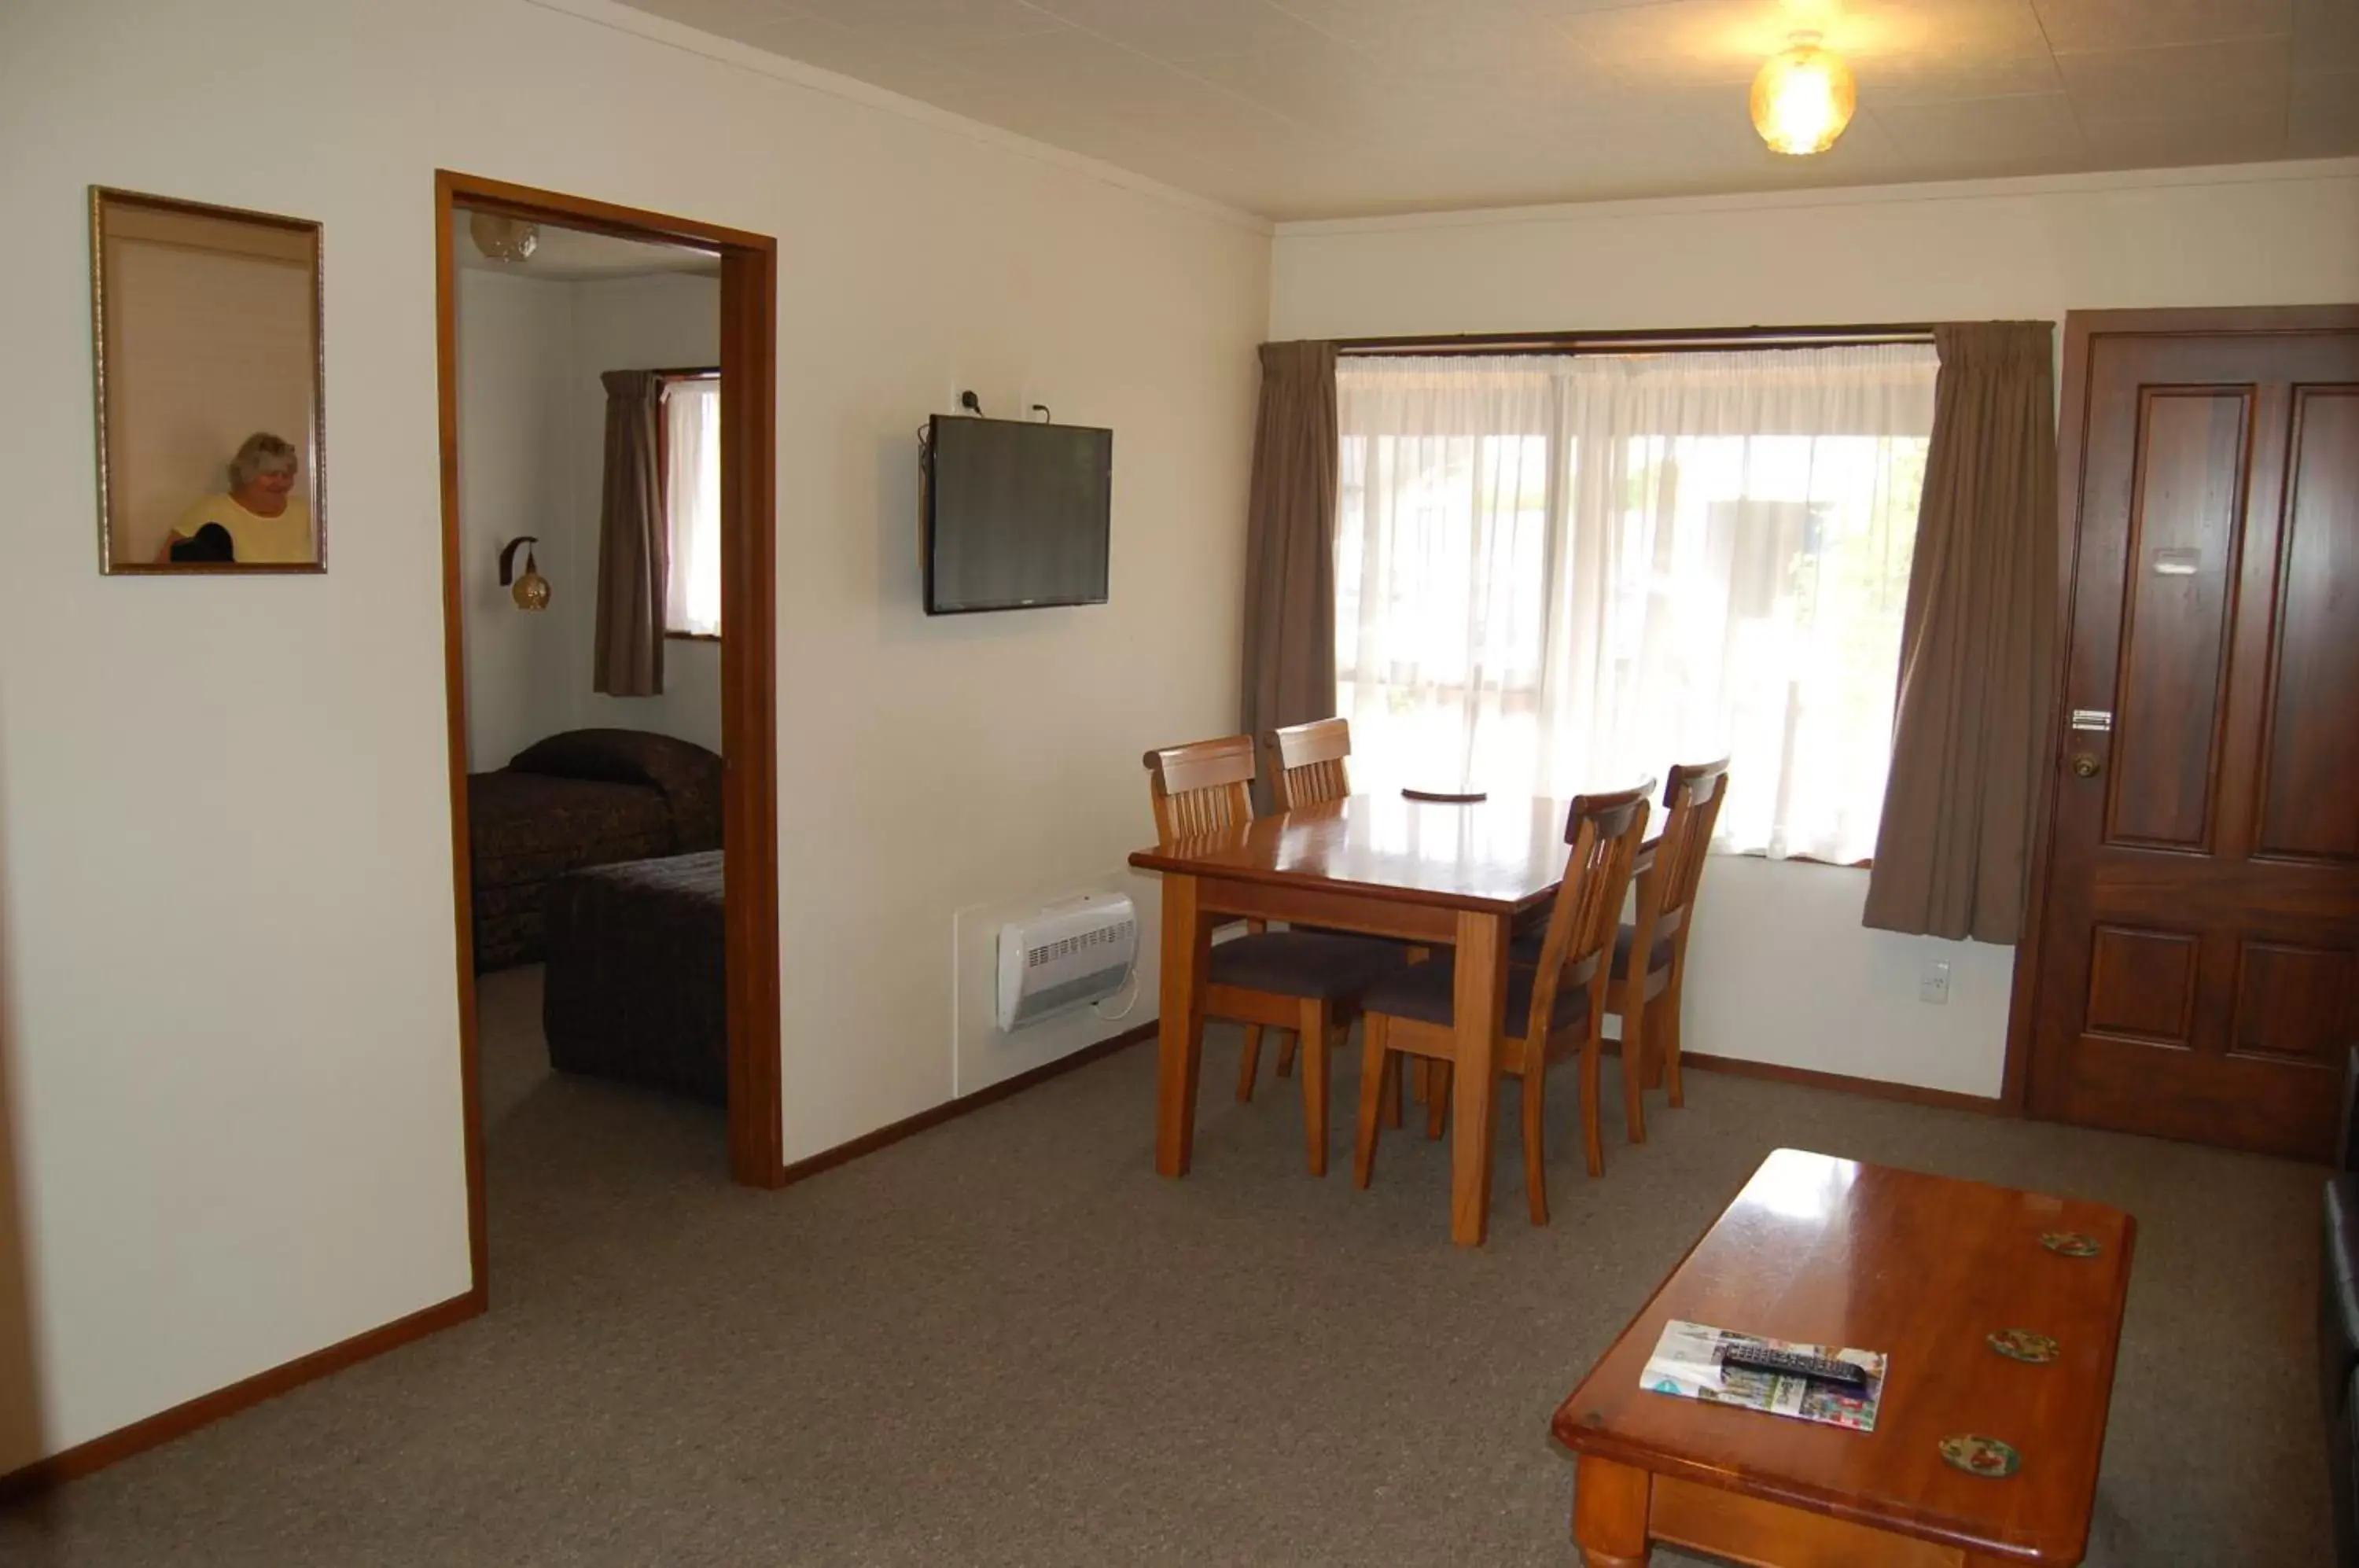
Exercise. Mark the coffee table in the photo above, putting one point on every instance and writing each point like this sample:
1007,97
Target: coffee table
1922,1267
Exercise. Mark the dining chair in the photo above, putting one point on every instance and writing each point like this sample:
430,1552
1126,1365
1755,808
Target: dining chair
1306,981
1647,1003
1555,1009
1310,763
1645,997
1306,766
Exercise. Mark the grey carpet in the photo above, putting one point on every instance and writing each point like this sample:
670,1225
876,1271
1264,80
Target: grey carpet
1007,1341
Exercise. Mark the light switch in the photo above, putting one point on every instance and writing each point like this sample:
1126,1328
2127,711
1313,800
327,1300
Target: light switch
1933,982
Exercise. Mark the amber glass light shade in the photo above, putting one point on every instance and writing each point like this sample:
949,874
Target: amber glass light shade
503,239
531,588
1803,98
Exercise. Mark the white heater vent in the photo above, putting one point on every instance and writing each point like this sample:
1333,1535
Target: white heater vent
1064,955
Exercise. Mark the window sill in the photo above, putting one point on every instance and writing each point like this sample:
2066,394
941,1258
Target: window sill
691,637
1868,865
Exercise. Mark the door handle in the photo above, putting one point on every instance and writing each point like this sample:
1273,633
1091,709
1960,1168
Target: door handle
2086,765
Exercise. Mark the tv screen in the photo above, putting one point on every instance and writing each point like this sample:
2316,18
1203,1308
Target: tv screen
1016,515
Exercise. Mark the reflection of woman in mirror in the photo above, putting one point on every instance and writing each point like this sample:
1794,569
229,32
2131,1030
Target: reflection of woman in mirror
266,522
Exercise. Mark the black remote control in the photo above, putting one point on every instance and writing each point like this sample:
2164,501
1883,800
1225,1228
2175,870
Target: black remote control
1794,1363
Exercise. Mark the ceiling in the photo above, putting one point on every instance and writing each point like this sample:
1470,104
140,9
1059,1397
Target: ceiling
570,256
1324,108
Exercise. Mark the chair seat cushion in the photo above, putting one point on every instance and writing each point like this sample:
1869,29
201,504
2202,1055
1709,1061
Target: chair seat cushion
1310,964
1526,948
1424,992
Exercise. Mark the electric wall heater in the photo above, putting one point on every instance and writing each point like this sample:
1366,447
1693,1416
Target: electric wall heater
1067,953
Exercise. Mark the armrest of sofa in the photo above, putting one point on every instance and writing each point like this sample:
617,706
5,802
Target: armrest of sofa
2346,1141
2338,1292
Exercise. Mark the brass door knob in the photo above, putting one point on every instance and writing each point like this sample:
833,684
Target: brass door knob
2085,765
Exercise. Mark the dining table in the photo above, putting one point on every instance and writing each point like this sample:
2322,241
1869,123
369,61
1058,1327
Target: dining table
1455,873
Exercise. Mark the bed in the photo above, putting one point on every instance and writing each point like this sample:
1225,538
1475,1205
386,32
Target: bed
635,988
580,799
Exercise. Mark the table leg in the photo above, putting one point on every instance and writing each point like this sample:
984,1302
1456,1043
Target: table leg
1609,1513
1479,998
1180,1028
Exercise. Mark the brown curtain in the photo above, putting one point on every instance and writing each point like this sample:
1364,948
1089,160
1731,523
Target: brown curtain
1971,735
634,546
1289,664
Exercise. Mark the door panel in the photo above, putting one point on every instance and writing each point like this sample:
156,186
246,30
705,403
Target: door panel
2193,975
2185,499
2308,806
2292,1002
2142,984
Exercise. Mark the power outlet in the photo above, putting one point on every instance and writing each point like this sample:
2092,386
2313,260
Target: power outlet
1933,982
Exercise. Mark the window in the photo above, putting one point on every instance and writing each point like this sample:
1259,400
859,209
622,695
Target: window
692,506
1555,573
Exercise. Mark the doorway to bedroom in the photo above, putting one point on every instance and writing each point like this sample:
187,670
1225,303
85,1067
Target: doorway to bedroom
606,390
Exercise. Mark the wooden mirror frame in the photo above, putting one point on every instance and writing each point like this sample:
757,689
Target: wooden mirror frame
104,198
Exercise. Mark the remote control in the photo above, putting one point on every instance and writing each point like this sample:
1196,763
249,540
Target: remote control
1794,1363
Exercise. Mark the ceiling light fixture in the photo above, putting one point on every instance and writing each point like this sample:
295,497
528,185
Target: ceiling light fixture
1803,98
503,239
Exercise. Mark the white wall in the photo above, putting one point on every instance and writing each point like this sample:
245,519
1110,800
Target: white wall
225,916
2263,234
515,342
1780,969
532,443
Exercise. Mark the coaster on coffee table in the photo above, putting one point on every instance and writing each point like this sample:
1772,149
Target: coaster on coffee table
1984,1456
2070,1244
2022,1344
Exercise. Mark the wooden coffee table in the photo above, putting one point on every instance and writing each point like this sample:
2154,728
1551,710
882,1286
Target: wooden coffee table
1922,1267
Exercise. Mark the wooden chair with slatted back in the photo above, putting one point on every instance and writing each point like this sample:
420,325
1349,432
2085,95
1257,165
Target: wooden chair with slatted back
1200,787
1306,981
1646,994
1306,767
1554,1010
1309,763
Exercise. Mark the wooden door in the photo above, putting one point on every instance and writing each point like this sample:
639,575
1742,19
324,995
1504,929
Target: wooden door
2193,960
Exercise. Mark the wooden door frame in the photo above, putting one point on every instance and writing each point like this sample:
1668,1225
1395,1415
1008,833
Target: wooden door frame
749,653
2082,330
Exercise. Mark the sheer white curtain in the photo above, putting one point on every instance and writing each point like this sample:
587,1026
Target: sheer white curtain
692,506
1558,573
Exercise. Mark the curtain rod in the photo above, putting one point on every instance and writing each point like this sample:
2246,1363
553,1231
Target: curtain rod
688,373
1674,340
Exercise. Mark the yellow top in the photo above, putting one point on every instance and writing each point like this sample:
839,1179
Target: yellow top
280,540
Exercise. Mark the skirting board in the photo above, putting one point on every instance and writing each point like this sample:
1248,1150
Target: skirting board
84,1458
1873,1088
949,1110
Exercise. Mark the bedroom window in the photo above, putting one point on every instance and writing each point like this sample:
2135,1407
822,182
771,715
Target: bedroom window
692,506
1562,572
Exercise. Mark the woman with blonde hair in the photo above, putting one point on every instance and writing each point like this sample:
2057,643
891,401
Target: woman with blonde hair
266,522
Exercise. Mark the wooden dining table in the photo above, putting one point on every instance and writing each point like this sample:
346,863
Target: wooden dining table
1447,875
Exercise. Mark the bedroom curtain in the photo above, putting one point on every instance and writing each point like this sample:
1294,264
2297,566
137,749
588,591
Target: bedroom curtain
1289,631
1562,572
634,553
1978,647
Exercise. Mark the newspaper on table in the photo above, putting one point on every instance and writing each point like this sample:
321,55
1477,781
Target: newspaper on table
1687,1363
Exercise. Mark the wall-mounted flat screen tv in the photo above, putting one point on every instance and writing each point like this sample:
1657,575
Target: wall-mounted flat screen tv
1017,514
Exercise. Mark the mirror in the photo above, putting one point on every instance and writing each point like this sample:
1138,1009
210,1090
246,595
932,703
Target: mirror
205,323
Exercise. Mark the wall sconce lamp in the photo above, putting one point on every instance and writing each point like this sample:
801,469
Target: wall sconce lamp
531,590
